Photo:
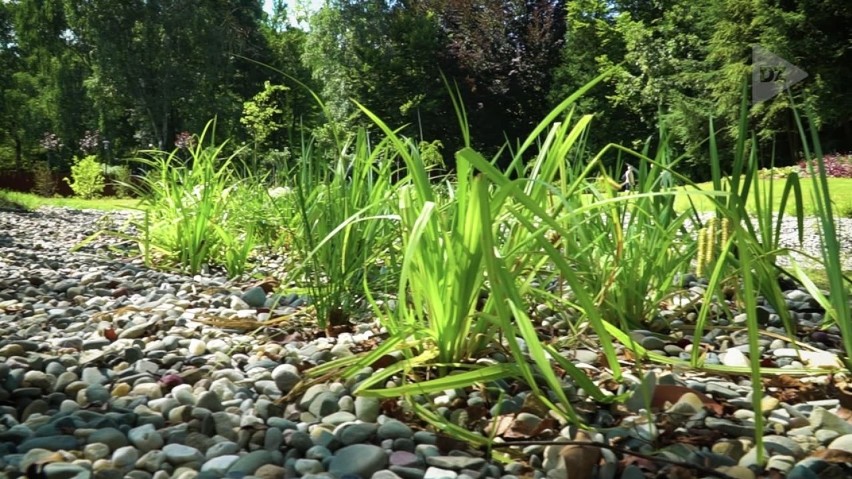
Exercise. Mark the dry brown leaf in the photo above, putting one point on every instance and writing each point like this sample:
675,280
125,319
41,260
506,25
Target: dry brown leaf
580,461
521,430
793,390
678,472
842,392
834,455
55,457
640,462
500,425
268,284
545,424
667,393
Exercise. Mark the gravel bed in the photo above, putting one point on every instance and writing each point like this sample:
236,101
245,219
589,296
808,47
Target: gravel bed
111,370
811,246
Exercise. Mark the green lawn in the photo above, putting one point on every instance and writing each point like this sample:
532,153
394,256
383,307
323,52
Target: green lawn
14,199
840,190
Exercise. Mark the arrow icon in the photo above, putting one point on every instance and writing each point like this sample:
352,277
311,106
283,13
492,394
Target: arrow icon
771,74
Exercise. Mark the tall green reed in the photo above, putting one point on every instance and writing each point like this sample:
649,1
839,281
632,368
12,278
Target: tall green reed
837,304
343,234
476,253
192,207
436,322
453,249
745,258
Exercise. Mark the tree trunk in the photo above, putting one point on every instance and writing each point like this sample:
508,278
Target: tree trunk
19,152
793,140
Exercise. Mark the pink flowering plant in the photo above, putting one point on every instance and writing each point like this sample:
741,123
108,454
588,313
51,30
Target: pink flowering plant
90,142
50,142
837,165
184,140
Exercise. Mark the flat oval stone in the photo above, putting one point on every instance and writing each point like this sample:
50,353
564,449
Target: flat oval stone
358,459
250,463
110,436
179,454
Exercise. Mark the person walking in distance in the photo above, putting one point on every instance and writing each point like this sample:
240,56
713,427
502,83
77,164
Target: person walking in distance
628,179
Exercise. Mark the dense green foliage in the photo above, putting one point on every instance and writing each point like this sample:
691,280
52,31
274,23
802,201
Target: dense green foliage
141,73
451,265
464,268
87,177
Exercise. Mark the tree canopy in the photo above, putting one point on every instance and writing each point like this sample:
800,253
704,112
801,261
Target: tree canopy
139,73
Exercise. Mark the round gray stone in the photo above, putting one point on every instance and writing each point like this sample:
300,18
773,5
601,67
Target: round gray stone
437,473
110,436
251,462
220,464
210,401
455,462
152,461
338,418
125,457
51,443
286,376
223,448
178,454
323,404
254,297
362,460
60,470
145,438
356,433
366,409
842,443
308,466
393,429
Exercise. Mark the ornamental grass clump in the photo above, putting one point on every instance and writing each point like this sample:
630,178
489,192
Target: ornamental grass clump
459,295
193,208
483,250
341,234
711,236
838,311
614,256
746,253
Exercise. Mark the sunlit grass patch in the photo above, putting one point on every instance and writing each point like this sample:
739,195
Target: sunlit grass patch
819,276
30,201
841,196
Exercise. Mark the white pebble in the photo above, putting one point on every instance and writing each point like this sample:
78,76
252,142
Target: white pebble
197,347
217,346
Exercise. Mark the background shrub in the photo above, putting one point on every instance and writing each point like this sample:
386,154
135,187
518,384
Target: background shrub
87,177
837,165
43,184
120,177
